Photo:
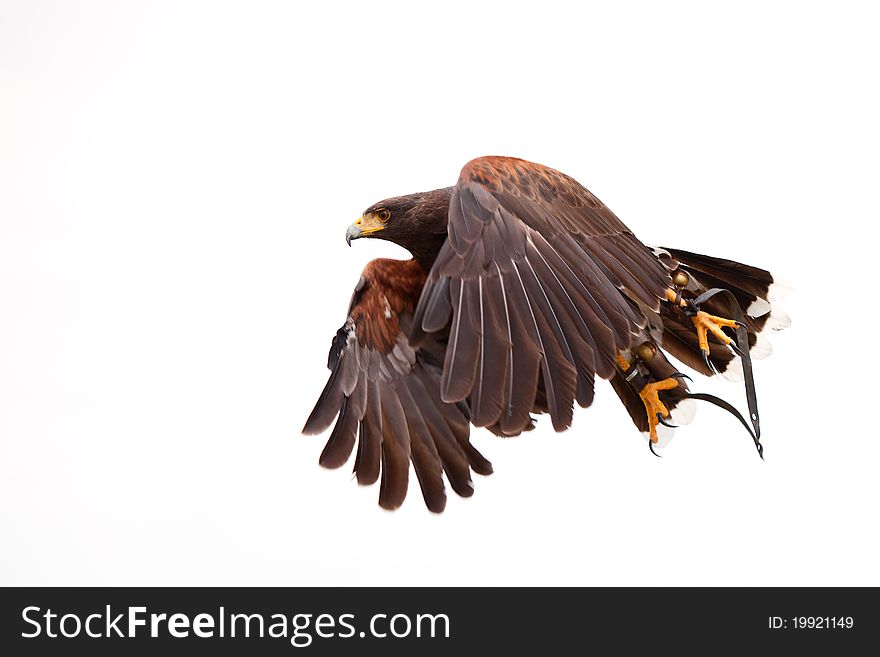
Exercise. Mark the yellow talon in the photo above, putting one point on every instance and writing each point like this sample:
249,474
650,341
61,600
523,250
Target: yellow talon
706,323
651,398
653,405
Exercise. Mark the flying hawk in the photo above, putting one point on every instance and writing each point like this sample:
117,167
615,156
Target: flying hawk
523,287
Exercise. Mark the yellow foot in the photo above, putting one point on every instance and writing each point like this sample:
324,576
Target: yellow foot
653,405
705,324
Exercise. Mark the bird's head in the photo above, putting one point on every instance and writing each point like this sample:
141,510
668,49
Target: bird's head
417,222
385,220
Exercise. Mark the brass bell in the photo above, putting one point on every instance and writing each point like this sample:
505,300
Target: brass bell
646,351
680,278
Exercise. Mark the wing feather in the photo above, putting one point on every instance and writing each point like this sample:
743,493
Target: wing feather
558,372
544,282
395,450
490,394
341,442
385,393
369,453
460,365
452,456
423,453
529,356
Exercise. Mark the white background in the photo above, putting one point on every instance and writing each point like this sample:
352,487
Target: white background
175,184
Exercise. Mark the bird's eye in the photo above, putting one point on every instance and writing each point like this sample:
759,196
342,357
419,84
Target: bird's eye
384,215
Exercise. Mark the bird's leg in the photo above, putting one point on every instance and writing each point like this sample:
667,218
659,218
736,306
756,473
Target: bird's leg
655,408
705,324
650,390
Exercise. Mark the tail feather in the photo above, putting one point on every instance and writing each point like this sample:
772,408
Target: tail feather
756,291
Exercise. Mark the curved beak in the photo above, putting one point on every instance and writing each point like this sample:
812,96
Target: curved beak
353,232
363,226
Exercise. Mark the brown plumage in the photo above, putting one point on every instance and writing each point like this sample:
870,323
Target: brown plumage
522,288
390,288
385,393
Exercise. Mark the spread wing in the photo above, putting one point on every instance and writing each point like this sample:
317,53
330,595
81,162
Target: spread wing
540,284
385,394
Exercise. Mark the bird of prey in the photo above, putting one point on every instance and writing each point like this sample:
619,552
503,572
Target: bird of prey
522,288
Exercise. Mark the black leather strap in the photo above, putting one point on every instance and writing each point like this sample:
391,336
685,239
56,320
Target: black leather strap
720,403
742,349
